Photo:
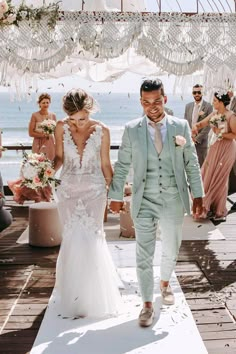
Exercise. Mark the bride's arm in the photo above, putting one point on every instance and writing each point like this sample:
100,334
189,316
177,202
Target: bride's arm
105,156
59,155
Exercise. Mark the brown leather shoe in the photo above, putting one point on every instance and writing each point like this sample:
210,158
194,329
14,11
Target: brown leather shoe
146,317
167,295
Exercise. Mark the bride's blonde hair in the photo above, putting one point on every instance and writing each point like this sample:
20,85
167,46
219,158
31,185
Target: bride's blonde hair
77,99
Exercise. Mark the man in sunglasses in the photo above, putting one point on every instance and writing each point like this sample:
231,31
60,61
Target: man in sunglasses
163,157
195,112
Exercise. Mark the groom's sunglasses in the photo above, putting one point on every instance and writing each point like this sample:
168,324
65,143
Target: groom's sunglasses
197,92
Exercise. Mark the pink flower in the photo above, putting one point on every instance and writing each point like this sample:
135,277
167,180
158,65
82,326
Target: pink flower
179,140
3,6
49,172
36,181
41,158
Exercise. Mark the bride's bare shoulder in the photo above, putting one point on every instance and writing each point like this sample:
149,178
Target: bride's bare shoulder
60,124
96,123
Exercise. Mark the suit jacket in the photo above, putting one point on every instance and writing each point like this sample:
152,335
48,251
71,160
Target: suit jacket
233,105
202,137
133,151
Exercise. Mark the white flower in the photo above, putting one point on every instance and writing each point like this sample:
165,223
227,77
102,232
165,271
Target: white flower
179,140
29,171
37,171
10,18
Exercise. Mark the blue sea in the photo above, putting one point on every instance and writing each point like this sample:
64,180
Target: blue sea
116,109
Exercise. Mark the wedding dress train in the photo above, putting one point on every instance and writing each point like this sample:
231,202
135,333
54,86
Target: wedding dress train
86,279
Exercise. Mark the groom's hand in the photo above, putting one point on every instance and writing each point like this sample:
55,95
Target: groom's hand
115,207
197,207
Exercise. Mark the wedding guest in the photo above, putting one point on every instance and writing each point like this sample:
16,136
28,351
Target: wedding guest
194,112
164,160
42,142
232,104
1,148
86,280
232,177
220,158
5,215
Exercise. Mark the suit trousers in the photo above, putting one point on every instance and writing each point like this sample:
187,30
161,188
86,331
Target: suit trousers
165,208
201,153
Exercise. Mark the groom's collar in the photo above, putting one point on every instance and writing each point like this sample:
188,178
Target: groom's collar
163,121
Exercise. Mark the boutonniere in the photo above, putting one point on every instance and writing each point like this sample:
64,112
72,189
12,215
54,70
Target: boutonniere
179,140
201,114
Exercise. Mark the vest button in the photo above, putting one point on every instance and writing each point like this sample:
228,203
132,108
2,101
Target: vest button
143,180
160,184
160,176
159,159
159,167
160,191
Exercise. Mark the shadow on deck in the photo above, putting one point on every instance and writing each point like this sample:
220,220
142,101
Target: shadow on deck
206,271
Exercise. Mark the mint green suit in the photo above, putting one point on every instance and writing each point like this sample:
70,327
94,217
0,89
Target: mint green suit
160,192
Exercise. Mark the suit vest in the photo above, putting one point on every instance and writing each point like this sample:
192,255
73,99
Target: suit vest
160,174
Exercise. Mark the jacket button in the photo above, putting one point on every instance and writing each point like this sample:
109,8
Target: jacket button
143,180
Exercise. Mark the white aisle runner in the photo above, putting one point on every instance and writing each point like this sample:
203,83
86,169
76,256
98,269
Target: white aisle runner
173,331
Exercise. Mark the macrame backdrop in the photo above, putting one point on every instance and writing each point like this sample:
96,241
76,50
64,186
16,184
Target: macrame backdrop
102,45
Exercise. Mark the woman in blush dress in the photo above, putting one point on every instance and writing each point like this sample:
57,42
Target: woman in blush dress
86,279
42,143
220,158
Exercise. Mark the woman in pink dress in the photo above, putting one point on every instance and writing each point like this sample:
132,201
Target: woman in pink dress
42,142
220,157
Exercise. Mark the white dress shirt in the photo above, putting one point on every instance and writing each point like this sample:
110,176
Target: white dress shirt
196,110
163,129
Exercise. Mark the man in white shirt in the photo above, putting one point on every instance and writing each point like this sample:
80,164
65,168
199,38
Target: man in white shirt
195,112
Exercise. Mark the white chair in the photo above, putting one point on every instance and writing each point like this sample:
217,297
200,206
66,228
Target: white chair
45,229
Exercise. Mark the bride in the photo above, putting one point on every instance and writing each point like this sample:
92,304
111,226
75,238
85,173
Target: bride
86,280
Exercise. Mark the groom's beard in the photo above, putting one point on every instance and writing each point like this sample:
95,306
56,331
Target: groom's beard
155,115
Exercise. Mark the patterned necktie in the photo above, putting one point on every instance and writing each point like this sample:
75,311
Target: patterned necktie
157,138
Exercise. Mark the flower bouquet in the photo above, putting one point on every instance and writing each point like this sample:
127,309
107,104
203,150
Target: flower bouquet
217,121
36,181
48,126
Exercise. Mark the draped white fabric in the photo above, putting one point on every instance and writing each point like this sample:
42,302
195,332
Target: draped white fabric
90,5
101,46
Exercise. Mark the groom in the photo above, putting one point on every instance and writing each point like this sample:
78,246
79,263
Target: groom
165,165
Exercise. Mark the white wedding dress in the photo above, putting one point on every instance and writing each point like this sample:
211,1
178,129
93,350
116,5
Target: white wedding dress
86,279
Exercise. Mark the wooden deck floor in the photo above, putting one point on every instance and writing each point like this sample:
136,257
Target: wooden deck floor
206,271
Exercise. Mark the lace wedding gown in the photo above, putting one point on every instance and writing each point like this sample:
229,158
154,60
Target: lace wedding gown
86,279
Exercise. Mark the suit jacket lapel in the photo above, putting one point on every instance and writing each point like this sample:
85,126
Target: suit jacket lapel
190,114
171,133
142,135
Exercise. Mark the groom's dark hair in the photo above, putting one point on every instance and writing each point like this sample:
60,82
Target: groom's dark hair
152,85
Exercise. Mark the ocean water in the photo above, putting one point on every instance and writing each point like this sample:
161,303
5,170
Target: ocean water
116,109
